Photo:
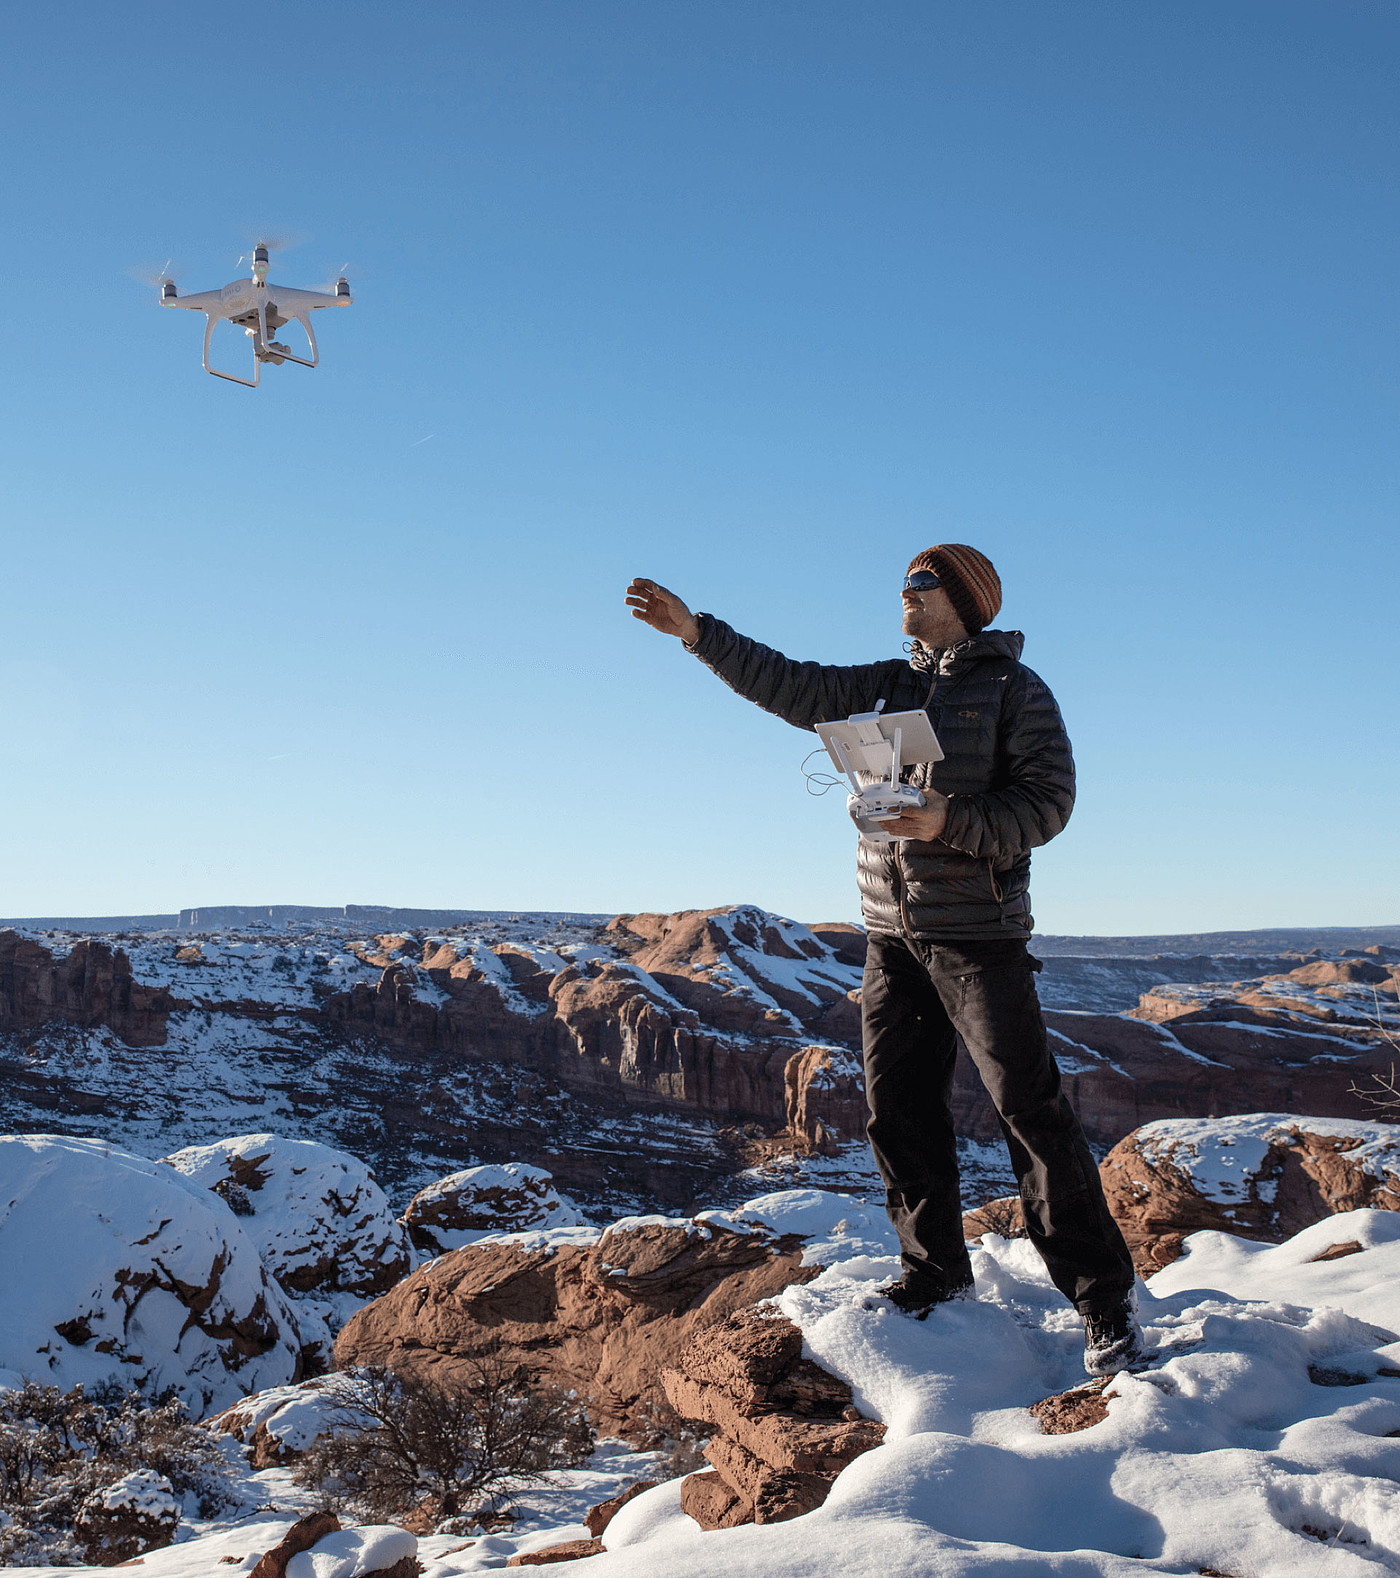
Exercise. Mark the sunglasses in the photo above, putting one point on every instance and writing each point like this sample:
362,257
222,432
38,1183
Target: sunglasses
921,581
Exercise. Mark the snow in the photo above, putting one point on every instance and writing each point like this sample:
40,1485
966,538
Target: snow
351,1552
838,1228
1264,1440
116,1249
293,1415
144,1492
316,1214
522,1196
1221,1156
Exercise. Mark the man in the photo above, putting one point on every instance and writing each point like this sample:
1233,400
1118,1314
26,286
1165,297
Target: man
947,915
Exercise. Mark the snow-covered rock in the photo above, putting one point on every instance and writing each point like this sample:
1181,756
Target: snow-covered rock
1266,1175
512,1197
278,1425
1264,1439
115,1268
355,1553
321,1223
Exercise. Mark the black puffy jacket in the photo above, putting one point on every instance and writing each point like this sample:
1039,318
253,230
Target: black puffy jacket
1007,765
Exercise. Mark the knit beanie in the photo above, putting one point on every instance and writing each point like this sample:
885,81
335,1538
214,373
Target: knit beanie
973,586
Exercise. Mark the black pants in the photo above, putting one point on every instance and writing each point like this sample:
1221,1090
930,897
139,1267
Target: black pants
916,1000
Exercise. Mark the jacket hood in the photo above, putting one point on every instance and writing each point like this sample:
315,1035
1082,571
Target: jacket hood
985,644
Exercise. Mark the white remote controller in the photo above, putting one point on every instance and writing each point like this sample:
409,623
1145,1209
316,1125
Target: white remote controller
877,803
875,744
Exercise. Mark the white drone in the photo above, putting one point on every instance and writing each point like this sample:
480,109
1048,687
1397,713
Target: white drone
259,309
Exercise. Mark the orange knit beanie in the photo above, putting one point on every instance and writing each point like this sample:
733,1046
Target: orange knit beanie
973,586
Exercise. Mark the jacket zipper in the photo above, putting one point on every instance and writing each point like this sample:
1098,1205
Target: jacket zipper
899,883
900,891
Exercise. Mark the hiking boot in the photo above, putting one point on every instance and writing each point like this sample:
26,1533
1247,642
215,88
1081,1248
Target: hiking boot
916,1293
1113,1340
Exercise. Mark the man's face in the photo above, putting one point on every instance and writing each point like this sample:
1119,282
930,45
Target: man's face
929,618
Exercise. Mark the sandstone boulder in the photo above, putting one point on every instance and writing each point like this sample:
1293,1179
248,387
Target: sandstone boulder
302,1535
1080,1408
596,1519
1002,1216
320,1221
784,1428
114,1268
509,1197
601,1318
1264,1176
566,1551
376,1548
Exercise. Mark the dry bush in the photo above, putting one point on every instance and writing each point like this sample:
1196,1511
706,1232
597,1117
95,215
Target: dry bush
59,1448
1383,1090
401,1444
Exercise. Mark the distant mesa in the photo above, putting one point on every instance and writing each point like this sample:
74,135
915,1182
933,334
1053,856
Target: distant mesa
217,917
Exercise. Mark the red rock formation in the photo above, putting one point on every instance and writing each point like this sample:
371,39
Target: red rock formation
825,1089
566,1551
687,1017
92,985
1121,1072
1003,1216
603,1321
500,1198
302,1535
732,1013
1078,1409
596,1519
1301,1174
683,1021
784,1428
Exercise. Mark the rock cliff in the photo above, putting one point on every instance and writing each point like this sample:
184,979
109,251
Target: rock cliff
91,985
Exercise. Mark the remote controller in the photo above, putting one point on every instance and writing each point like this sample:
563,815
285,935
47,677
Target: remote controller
877,803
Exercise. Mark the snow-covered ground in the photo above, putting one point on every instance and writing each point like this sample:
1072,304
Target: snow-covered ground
1263,1441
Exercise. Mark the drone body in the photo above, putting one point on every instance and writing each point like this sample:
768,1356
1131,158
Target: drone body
260,309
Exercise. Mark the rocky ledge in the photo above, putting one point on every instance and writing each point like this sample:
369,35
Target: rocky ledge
783,1427
603,1317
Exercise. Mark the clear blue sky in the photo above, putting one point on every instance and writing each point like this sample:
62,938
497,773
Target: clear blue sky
757,297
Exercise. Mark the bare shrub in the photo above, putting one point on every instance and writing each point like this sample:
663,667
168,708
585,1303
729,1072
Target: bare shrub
60,1449
1382,1091
402,1444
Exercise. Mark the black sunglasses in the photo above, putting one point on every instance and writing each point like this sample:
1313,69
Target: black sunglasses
921,581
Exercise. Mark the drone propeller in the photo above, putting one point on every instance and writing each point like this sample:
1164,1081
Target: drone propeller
168,273
276,241
348,272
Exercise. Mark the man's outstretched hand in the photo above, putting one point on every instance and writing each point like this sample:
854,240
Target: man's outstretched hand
662,610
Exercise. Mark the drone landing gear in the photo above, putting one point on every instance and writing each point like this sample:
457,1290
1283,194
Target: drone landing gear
254,325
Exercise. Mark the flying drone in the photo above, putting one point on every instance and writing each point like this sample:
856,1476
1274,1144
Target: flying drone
259,308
